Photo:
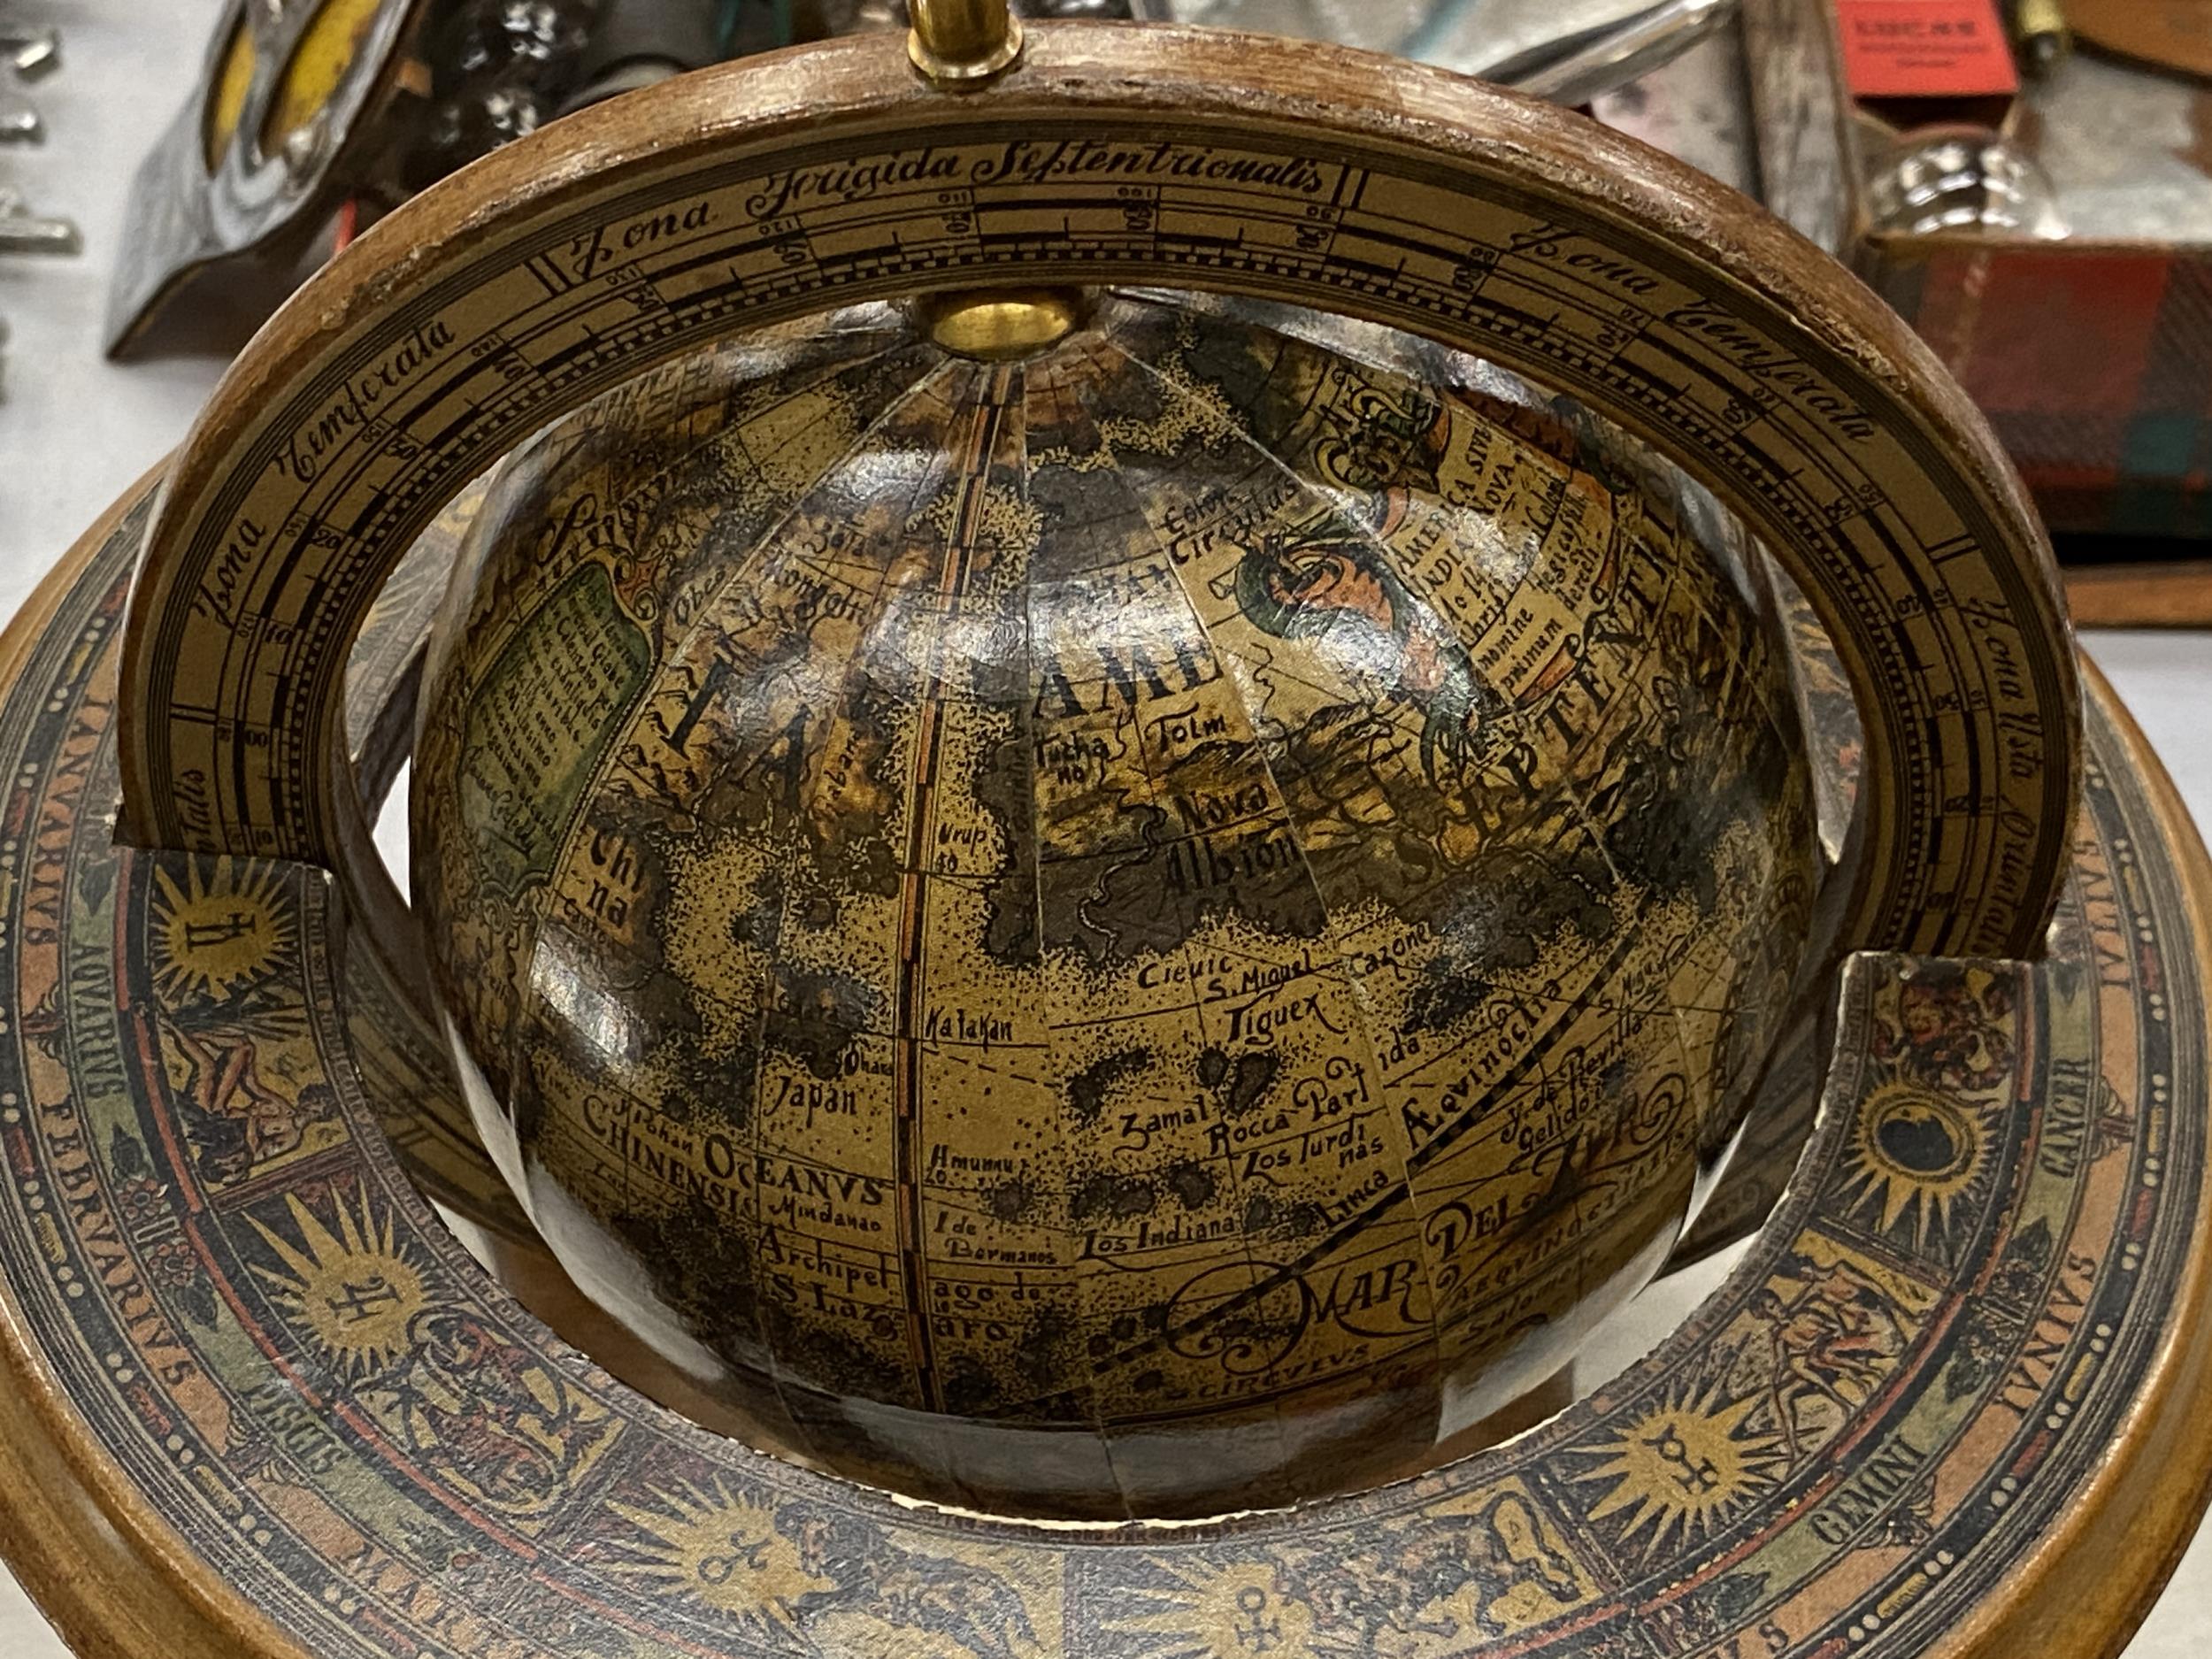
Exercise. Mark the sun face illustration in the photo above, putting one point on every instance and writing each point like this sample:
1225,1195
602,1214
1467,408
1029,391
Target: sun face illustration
1915,1153
355,1291
1684,1466
1196,1610
714,1546
214,936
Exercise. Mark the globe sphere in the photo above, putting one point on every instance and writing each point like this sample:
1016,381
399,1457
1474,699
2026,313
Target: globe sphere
1143,914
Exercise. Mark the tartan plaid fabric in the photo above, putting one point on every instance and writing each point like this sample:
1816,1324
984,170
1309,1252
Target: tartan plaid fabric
2094,365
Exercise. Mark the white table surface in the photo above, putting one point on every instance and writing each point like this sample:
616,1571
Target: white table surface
75,430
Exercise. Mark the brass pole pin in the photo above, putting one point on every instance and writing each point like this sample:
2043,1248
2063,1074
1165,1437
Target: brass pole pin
961,43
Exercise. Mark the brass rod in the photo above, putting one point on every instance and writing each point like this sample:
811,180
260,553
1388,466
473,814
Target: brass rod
962,42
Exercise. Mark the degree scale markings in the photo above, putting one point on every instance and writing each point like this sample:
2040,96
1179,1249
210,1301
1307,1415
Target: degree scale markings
681,251
771,239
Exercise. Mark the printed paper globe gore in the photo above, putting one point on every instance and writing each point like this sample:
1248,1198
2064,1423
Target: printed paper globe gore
1145,927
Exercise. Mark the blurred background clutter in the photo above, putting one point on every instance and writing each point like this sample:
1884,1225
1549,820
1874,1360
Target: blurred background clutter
2028,181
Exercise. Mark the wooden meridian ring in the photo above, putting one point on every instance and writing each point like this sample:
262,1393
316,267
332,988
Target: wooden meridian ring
784,186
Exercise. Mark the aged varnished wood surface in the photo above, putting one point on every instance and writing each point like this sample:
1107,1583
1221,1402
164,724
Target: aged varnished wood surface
1961,1352
2175,34
2164,596
1197,159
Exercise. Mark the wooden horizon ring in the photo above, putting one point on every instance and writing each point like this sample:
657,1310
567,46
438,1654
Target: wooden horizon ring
780,187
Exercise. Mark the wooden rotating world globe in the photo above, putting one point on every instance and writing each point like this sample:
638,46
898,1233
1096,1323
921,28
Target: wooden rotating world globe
1119,910
1106,903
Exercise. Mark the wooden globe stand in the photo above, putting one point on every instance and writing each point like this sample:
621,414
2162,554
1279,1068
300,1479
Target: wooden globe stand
263,1402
